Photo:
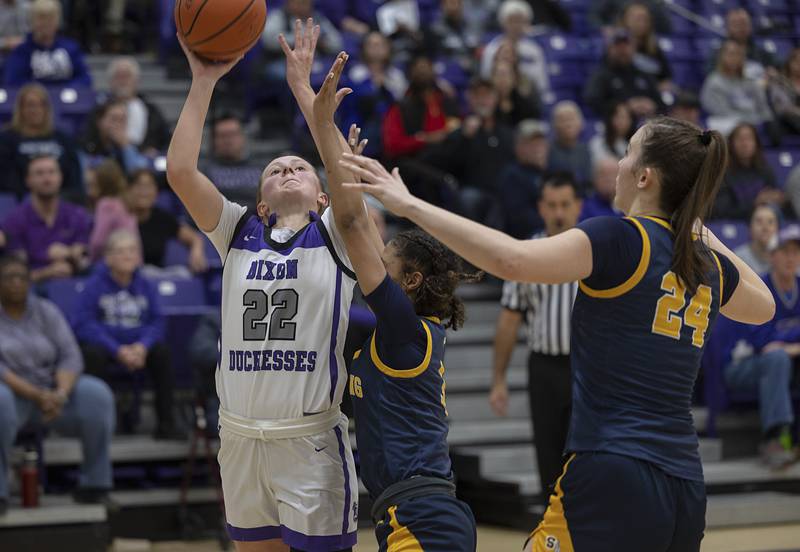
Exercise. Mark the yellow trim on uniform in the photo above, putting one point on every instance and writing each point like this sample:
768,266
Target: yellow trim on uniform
401,538
413,372
434,319
661,222
721,278
553,532
625,287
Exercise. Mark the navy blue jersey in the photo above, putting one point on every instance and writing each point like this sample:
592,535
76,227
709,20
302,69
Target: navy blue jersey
637,341
398,393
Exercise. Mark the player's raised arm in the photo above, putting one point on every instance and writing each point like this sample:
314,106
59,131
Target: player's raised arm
563,258
196,191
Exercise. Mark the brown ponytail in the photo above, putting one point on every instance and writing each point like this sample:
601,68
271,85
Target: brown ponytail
691,165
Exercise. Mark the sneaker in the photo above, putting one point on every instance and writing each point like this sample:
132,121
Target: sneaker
775,455
89,495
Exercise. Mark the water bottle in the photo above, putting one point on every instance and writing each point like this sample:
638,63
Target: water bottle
29,476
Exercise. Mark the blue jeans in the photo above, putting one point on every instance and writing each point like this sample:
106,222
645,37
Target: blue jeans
89,414
770,374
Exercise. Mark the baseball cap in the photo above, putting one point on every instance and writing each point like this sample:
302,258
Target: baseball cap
790,233
531,128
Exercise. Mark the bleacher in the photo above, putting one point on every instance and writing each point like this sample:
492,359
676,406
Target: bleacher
494,457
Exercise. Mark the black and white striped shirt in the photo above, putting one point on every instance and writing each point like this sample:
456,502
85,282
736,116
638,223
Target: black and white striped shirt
547,309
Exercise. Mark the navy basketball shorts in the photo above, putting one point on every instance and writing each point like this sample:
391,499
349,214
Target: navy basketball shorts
609,502
433,523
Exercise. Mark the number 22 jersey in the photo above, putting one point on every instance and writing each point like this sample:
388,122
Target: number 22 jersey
285,310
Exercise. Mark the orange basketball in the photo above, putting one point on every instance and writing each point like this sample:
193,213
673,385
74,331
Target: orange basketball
220,30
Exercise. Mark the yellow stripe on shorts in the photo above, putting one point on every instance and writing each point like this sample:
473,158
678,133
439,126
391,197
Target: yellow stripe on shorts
552,534
401,539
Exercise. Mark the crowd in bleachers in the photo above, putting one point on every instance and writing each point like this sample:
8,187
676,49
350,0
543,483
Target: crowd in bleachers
474,100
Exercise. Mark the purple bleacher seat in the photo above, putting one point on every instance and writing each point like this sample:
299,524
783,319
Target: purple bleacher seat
175,254
779,47
65,293
451,71
71,104
167,41
566,74
562,47
707,46
687,74
733,233
770,6
7,204
708,7
180,295
677,48
680,25
782,161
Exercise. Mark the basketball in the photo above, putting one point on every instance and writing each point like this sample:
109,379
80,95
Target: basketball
220,30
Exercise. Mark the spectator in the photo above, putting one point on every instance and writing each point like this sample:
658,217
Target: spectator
731,97
44,56
51,234
649,59
204,356
784,94
607,13
32,134
377,85
477,152
119,323
147,129
41,382
230,167
618,128
749,180
739,28
516,101
416,126
107,138
763,234
157,226
793,190
567,152
520,183
618,79
453,36
516,17
686,108
776,345
600,202
14,19
111,211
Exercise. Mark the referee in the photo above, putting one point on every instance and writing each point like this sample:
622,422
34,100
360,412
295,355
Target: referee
547,310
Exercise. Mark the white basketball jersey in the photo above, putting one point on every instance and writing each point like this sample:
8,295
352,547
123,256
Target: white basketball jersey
285,310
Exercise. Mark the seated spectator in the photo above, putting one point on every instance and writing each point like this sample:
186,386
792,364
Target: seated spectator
453,36
649,59
32,133
14,19
731,97
763,233
477,153
686,108
618,79
41,383
784,94
416,126
520,183
45,56
607,13
204,356
157,226
121,328
377,85
776,345
230,167
516,101
111,210
567,152
106,137
618,128
739,28
749,180
600,202
51,234
516,17
147,128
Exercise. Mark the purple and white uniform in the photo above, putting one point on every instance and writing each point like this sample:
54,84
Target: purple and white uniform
287,467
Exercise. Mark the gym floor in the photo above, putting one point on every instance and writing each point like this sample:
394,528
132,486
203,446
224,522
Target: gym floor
783,538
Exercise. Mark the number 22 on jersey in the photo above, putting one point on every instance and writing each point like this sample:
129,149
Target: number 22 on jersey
668,322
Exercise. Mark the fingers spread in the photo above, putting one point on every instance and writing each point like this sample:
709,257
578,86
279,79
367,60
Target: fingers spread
284,44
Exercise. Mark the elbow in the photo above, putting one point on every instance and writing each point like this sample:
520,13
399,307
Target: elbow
768,310
178,173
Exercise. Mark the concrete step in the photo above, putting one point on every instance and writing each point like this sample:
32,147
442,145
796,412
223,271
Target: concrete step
482,312
53,510
471,406
498,431
752,509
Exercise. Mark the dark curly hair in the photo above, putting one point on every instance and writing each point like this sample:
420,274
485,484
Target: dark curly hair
442,271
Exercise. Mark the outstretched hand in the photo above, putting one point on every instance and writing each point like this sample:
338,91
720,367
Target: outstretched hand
376,181
328,98
300,60
203,69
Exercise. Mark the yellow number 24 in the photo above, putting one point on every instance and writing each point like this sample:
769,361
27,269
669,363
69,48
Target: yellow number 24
668,322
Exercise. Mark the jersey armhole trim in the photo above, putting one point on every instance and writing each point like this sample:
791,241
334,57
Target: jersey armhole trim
403,374
238,229
637,276
329,244
721,277
661,222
